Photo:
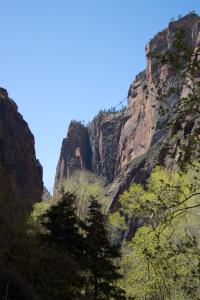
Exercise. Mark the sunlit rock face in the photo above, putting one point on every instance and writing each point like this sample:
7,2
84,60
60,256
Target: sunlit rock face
125,146
92,148
75,154
146,130
20,172
104,133
145,124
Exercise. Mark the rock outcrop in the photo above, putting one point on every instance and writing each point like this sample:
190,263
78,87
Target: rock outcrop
20,172
75,154
127,145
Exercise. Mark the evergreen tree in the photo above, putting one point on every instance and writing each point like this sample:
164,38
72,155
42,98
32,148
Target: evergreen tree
99,255
61,226
61,237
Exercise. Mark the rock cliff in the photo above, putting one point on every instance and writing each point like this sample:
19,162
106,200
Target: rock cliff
75,154
125,146
104,134
20,171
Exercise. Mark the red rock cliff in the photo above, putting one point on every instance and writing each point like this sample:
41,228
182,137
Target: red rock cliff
127,145
144,133
75,154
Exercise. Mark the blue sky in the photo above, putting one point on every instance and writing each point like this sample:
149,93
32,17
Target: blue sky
67,59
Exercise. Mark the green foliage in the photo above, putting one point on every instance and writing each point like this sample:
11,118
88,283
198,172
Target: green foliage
80,250
85,184
39,208
62,226
163,260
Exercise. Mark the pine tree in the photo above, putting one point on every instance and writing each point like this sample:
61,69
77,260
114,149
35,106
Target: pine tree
61,239
61,226
99,255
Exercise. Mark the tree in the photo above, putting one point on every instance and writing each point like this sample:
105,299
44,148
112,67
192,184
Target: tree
62,226
85,184
163,259
60,237
34,220
88,246
99,255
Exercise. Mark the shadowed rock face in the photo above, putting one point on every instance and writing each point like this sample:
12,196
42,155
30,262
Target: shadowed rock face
127,145
20,171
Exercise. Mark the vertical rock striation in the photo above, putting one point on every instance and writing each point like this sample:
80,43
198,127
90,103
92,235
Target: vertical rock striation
146,130
104,133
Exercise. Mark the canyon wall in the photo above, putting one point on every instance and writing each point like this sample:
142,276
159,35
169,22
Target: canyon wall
20,172
126,145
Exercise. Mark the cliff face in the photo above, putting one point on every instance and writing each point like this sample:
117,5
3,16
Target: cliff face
104,134
20,171
146,132
75,154
145,125
127,145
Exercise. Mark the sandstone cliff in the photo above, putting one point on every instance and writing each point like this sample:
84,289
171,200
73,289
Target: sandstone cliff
146,133
20,172
127,145
104,135
75,154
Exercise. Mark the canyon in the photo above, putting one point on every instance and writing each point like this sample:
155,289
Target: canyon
121,146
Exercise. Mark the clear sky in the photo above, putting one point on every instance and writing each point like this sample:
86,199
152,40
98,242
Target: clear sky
67,59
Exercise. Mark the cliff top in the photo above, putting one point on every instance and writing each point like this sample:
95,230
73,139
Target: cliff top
183,22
